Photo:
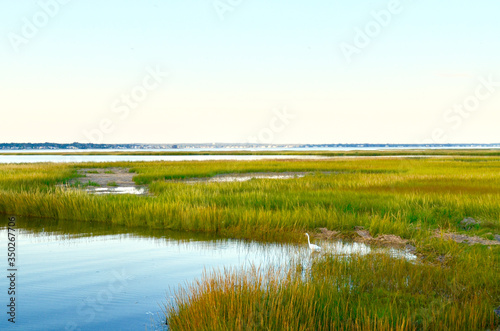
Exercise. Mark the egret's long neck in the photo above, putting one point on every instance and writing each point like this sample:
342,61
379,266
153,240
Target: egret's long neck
308,240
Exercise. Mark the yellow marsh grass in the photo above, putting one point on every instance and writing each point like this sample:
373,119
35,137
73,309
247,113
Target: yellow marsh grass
407,197
372,292
410,198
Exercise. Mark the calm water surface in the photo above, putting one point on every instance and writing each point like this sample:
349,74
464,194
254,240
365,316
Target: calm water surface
131,158
88,276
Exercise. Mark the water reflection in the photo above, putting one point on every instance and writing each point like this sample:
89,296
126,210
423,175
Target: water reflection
117,190
88,275
244,177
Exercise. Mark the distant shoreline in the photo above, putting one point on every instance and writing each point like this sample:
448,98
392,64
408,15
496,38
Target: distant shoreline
231,147
367,153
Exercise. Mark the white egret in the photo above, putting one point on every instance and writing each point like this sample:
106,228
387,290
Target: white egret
312,246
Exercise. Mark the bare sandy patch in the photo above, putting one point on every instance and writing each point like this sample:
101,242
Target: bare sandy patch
109,181
462,238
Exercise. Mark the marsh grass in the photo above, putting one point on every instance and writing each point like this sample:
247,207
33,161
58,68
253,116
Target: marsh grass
370,292
24,177
112,184
452,286
405,197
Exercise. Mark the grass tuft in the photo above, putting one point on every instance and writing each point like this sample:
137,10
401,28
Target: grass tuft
370,292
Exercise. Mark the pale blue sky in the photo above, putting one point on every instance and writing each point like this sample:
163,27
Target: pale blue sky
231,73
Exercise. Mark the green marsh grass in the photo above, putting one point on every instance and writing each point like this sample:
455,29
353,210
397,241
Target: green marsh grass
452,286
370,292
405,197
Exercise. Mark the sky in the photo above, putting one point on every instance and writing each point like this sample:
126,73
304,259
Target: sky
260,71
